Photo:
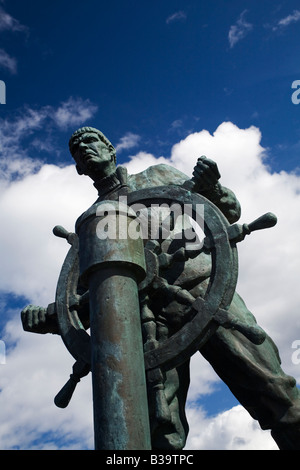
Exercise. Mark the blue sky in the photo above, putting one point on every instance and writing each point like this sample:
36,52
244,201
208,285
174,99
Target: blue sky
165,81
160,68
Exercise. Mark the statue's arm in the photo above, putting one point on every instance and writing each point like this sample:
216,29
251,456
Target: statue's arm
39,319
225,200
44,320
206,182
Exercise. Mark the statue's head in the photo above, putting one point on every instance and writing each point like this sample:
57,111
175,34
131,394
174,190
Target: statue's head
93,153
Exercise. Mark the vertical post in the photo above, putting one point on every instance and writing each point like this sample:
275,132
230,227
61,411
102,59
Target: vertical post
111,269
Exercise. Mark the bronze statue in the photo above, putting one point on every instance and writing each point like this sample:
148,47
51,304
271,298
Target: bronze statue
184,292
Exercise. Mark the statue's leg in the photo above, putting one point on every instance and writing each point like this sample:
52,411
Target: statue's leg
172,435
254,375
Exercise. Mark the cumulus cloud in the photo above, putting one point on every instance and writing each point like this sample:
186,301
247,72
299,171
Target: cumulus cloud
35,371
230,430
239,30
50,197
31,257
143,160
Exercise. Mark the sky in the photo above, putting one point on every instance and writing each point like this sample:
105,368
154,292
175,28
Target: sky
166,82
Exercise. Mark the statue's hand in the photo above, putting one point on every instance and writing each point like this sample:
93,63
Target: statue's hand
205,174
33,317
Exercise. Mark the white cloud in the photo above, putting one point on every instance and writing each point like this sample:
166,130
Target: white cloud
8,23
239,30
40,201
287,20
8,62
16,159
128,141
143,160
35,371
204,379
31,258
178,123
73,112
230,430
177,16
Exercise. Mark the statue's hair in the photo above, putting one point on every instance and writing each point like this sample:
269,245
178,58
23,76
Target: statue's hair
84,130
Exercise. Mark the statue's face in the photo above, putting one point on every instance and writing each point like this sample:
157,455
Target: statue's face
91,154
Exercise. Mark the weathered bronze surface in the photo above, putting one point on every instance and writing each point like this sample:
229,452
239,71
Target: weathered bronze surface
151,302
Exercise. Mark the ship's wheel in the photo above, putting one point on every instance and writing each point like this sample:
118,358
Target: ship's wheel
210,311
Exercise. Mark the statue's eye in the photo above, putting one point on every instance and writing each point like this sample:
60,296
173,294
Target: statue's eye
90,140
74,148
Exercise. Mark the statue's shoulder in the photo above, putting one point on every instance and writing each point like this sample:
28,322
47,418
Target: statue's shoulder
156,175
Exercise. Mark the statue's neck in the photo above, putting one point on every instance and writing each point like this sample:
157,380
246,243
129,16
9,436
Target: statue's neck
111,182
106,184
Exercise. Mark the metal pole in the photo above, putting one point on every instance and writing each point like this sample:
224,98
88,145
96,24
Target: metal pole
111,269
